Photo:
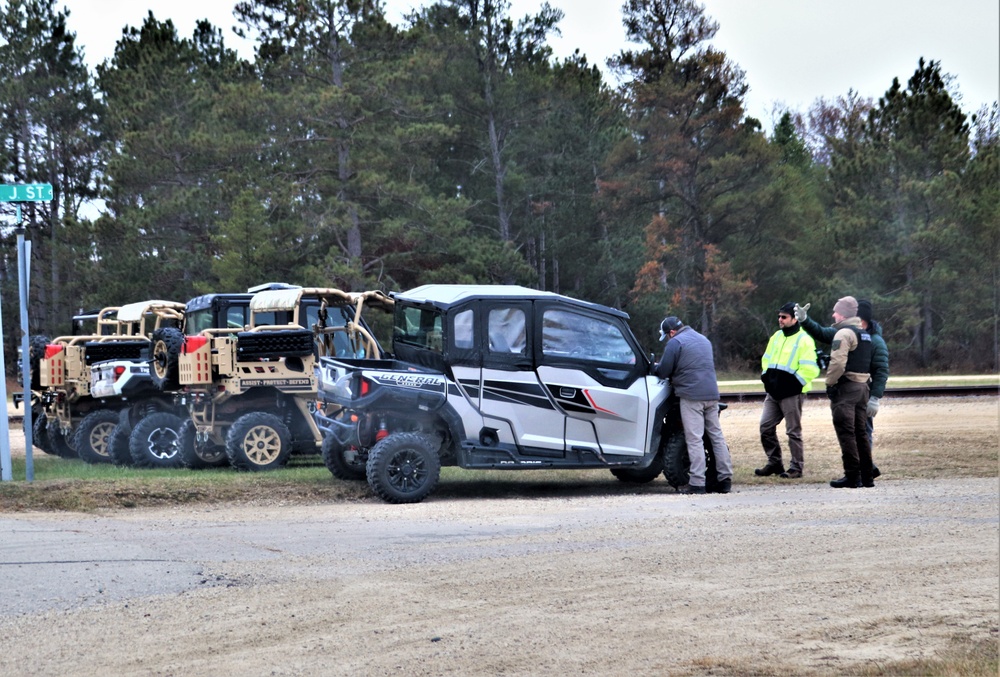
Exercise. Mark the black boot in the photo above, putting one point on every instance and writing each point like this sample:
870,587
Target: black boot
848,481
875,471
723,487
867,476
769,469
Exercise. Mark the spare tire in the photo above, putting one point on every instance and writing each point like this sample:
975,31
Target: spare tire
163,360
36,351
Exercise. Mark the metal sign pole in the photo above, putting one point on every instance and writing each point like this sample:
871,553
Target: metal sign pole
23,263
31,192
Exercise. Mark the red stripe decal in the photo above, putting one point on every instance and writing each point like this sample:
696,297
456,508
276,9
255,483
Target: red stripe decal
590,399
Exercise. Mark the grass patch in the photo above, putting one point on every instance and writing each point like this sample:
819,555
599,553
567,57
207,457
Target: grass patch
914,439
63,484
963,658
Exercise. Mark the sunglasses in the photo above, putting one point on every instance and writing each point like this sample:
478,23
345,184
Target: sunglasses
784,317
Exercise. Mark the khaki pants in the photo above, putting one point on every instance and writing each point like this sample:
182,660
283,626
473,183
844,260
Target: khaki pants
788,409
700,419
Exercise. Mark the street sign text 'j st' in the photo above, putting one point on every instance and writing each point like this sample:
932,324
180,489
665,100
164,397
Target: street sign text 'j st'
26,192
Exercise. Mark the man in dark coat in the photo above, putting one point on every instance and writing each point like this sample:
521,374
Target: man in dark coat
847,380
879,368
690,365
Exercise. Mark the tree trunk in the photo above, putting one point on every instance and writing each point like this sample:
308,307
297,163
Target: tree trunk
542,272
499,171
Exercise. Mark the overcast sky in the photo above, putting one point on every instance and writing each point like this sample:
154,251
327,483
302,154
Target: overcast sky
793,51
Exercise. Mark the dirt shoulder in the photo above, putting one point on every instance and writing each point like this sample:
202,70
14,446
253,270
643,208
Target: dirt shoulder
780,577
796,579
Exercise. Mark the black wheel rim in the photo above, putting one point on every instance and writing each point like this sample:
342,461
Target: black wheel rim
407,471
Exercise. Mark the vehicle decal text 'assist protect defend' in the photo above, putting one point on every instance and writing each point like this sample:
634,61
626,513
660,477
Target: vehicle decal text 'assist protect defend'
274,382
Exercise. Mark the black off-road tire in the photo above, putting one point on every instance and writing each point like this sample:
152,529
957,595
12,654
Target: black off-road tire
36,351
643,476
258,441
58,444
675,460
198,456
343,463
155,441
404,467
119,444
677,463
165,350
40,433
92,436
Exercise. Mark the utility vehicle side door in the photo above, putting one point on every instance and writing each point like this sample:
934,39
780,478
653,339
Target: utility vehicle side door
593,369
512,399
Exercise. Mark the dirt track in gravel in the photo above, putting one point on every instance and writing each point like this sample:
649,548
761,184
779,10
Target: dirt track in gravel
772,579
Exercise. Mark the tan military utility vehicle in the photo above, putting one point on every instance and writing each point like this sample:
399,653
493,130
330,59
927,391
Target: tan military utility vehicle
251,392
76,418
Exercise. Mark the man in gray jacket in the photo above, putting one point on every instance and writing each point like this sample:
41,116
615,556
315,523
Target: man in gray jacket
690,365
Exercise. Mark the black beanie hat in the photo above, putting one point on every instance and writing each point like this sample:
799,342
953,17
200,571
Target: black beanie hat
865,310
788,308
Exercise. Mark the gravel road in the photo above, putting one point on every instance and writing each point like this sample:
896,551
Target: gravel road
785,579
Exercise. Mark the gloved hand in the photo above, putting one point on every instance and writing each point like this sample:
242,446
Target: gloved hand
872,407
801,312
831,391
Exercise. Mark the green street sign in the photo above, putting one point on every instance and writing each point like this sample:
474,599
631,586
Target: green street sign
26,192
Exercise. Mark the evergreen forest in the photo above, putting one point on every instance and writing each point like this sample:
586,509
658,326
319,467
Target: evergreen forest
355,153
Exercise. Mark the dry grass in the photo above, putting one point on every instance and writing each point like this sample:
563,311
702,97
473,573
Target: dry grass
964,658
926,438
914,439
